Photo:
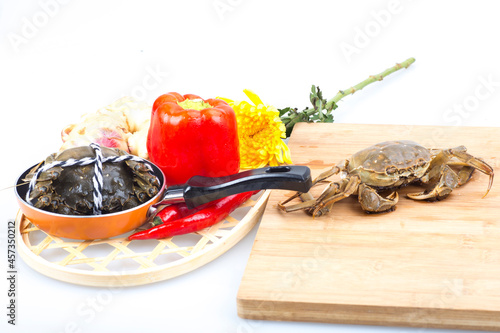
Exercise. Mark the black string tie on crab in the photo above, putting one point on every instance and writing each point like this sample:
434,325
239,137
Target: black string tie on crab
97,179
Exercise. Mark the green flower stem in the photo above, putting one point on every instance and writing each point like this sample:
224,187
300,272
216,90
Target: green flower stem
322,109
343,93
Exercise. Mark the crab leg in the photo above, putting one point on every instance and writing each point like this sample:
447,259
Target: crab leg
309,202
300,206
464,174
308,197
142,185
350,187
41,188
469,163
331,172
461,154
447,182
331,190
321,178
317,207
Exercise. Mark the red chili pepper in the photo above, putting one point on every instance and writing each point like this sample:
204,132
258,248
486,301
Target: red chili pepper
170,213
189,136
211,214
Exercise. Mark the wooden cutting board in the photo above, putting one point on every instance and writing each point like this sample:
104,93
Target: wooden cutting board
424,264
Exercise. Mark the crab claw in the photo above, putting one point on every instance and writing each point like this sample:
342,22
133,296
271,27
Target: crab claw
372,202
448,181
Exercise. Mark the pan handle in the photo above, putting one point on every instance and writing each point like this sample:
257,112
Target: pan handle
200,190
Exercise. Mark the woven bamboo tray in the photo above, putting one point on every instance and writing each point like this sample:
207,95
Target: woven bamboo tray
118,262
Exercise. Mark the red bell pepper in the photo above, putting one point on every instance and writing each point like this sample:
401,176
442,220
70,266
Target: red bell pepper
189,136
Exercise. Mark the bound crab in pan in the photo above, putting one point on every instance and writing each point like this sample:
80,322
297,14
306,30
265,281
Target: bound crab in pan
69,190
387,166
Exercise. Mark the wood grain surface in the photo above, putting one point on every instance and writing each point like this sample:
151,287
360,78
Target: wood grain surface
423,265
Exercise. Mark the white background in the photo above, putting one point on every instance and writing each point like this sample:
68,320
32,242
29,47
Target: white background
59,60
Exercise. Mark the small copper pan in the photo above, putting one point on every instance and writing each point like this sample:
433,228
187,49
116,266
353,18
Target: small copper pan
198,190
86,227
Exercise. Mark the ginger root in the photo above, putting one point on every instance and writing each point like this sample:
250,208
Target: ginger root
122,124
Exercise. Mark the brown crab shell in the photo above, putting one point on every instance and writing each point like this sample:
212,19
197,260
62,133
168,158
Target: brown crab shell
390,163
87,227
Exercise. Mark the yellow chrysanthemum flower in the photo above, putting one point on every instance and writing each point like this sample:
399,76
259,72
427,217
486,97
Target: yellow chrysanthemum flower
260,131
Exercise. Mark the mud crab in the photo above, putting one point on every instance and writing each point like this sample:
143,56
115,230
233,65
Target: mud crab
69,190
388,166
